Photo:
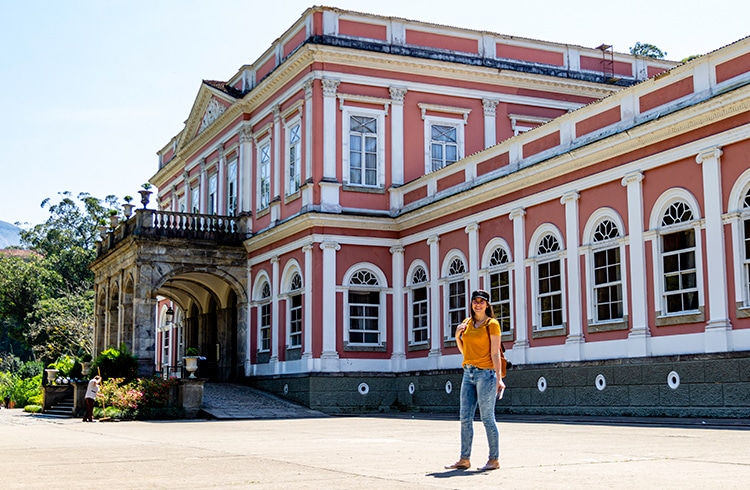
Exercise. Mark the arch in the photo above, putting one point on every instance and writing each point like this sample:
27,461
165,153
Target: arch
190,272
540,233
596,218
260,279
448,262
739,190
365,266
489,250
668,198
290,268
419,263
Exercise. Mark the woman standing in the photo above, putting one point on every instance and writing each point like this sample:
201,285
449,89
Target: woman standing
478,339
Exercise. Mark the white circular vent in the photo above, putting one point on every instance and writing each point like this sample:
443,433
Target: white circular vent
448,387
541,384
600,382
363,388
673,380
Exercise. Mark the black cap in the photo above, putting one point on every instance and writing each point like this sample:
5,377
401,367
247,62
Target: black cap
481,293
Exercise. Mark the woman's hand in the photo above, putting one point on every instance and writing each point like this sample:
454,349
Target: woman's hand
460,329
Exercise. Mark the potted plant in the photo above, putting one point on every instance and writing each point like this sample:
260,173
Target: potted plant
127,208
145,193
102,228
191,361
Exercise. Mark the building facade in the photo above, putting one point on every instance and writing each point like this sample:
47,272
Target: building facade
324,215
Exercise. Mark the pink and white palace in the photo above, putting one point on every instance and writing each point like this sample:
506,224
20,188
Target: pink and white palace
325,213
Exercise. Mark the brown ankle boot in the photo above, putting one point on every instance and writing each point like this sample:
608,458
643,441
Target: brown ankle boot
492,464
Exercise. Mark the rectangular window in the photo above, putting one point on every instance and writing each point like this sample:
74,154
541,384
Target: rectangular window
607,285
212,202
295,159
456,305
232,188
264,177
295,320
363,151
165,348
195,200
680,274
550,294
443,146
500,299
364,317
420,329
265,327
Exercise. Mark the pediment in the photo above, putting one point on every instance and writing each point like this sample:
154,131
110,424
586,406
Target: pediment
209,105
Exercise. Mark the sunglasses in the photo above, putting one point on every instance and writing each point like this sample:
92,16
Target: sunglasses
478,301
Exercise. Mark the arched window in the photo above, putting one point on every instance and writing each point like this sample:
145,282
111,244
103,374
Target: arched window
549,284
295,311
419,291
264,338
455,292
364,308
499,287
607,273
678,260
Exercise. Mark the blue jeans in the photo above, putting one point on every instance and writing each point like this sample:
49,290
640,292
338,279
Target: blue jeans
479,387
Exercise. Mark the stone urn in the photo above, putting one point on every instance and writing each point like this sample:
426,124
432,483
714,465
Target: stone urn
127,210
51,375
145,197
191,365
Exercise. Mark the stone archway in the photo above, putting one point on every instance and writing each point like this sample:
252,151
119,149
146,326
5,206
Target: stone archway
203,271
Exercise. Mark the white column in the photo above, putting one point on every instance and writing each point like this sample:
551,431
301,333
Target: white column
307,191
397,135
638,338
490,122
719,325
186,190
473,231
575,328
329,357
398,353
275,313
436,333
329,185
245,170
521,345
308,306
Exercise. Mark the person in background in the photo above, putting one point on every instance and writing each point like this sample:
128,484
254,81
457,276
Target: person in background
478,338
91,393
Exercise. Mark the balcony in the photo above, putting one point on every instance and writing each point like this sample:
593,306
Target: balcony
151,224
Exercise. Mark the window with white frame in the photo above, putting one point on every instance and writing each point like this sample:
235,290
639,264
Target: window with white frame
264,308
678,257
444,142
607,273
232,188
264,176
443,145
165,353
420,329
746,247
195,199
295,311
363,151
456,295
364,308
212,189
294,158
549,284
181,205
499,287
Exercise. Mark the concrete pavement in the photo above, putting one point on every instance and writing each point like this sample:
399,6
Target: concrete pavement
367,453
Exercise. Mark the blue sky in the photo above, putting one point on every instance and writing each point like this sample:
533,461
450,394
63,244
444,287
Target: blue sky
91,89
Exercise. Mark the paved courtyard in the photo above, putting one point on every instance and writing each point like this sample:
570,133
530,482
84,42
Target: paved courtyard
369,453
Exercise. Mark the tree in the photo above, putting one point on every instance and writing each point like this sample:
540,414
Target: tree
648,50
62,326
68,238
25,279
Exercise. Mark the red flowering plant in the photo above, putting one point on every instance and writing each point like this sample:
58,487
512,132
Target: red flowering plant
145,398
124,398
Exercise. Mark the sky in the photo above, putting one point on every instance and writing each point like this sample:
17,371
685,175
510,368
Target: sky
90,90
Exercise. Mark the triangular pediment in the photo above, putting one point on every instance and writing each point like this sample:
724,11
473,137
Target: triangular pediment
208,106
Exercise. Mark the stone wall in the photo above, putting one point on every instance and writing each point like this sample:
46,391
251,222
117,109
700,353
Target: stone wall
681,386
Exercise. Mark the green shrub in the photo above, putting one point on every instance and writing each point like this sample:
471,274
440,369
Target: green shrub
30,369
64,365
113,363
33,408
27,391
